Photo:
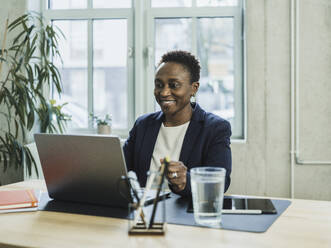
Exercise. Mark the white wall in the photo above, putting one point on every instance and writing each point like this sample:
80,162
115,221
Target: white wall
11,10
262,165
314,109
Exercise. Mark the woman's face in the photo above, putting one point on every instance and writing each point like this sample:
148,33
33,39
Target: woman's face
172,88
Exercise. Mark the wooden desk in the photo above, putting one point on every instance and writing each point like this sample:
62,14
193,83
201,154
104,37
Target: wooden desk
304,224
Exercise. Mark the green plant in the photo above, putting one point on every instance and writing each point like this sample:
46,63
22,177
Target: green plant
28,75
102,121
52,118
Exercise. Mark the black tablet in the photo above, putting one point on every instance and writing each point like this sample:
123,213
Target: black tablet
244,206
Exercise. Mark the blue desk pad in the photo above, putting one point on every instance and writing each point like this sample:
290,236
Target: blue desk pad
175,213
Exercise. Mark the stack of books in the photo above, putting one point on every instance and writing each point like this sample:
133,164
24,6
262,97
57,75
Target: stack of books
19,200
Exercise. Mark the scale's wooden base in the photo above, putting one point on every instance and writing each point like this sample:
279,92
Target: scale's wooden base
141,229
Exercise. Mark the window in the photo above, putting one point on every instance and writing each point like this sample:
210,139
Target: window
212,30
74,70
112,48
96,69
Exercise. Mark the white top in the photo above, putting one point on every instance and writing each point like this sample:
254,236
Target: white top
168,144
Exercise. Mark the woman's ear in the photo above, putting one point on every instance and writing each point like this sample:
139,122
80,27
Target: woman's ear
195,87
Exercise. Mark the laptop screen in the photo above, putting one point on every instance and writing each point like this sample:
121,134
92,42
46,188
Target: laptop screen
84,168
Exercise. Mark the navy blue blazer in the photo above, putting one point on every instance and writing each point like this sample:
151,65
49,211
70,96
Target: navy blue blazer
206,143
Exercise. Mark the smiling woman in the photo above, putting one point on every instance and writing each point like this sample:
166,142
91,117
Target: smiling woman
182,131
173,91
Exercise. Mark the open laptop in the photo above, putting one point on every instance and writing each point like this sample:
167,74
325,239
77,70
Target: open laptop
84,168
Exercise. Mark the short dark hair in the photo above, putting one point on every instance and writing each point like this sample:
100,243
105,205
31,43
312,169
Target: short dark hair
186,59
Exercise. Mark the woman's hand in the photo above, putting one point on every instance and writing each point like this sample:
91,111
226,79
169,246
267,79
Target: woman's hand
176,175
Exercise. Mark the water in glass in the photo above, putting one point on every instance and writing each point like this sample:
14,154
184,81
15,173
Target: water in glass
207,195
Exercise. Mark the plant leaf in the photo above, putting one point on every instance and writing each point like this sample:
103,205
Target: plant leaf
30,161
17,21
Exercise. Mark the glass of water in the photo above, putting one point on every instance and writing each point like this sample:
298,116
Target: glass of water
207,184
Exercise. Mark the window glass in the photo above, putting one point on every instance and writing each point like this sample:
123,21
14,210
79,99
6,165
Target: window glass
110,84
171,3
172,34
216,50
73,49
67,4
111,3
215,3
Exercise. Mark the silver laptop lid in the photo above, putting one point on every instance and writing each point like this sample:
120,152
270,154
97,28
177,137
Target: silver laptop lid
84,168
